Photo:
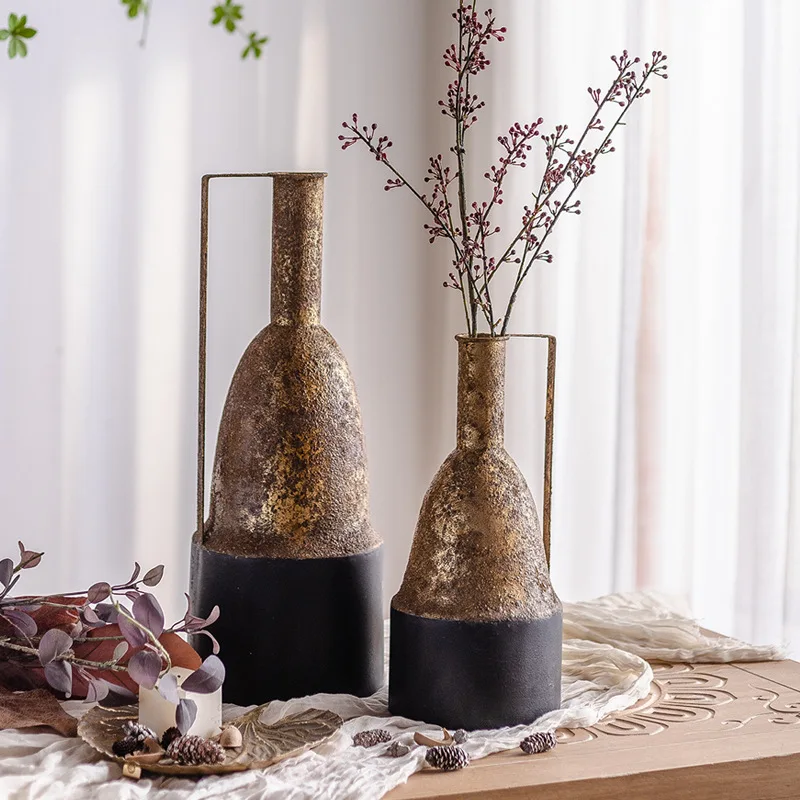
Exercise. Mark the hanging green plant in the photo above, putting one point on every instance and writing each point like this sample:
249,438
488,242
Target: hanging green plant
228,14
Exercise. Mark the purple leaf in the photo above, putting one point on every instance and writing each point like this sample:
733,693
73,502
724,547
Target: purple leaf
98,592
22,622
214,642
147,612
153,576
53,644
89,616
132,595
135,637
96,691
144,667
27,558
59,675
118,696
6,571
194,624
106,612
185,715
76,630
168,688
119,651
136,570
208,678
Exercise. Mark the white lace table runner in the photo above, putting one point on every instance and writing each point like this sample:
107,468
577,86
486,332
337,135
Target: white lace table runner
606,644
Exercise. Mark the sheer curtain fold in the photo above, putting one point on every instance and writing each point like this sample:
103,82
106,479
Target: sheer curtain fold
674,296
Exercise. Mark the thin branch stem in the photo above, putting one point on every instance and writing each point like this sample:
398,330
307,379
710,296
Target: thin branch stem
32,651
598,152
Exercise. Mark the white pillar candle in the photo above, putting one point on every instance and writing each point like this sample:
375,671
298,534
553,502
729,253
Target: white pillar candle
158,714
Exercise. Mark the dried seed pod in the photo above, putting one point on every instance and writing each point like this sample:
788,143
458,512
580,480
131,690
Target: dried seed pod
428,741
538,743
447,757
371,737
396,750
195,750
169,736
460,736
231,736
127,745
152,753
137,731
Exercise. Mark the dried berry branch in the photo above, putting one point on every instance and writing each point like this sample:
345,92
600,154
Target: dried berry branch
467,225
140,650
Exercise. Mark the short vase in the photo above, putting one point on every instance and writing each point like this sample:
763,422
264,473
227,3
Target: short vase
476,625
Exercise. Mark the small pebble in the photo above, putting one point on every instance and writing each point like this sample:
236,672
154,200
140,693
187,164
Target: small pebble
460,736
396,750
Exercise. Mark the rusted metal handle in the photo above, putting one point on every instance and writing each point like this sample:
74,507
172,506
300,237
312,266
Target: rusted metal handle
549,416
201,366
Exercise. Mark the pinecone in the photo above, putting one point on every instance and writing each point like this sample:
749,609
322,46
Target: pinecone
460,736
396,750
125,746
372,737
538,743
169,736
190,750
447,757
137,731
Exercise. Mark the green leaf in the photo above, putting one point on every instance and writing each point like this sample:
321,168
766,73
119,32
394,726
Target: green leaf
254,45
22,48
4,34
135,7
12,47
227,12
13,21
27,33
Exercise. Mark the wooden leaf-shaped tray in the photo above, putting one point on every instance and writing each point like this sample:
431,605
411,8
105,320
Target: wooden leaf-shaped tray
262,745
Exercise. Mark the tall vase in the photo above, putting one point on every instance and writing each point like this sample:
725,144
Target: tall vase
288,552
476,625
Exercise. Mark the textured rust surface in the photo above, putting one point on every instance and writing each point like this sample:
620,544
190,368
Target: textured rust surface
290,472
478,552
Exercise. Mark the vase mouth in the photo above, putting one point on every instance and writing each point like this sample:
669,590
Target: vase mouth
481,337
297,175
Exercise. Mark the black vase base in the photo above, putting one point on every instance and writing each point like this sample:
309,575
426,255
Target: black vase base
474,675
292,627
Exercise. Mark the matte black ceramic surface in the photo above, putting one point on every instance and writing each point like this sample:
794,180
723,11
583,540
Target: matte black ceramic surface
292,627
474,675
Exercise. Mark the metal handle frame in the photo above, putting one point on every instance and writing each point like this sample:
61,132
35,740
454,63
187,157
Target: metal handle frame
549,419
203,336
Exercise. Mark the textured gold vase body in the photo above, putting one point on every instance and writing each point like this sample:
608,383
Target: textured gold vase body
290,473
288,546
476,617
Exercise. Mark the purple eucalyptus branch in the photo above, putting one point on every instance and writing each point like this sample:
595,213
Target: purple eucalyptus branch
63,651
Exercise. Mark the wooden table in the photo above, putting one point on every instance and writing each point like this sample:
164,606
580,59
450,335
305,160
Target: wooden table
706,732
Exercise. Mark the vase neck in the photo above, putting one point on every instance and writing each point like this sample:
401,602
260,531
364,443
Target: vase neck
481,392
296,293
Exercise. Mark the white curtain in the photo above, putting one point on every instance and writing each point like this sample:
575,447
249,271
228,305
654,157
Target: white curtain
674,296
